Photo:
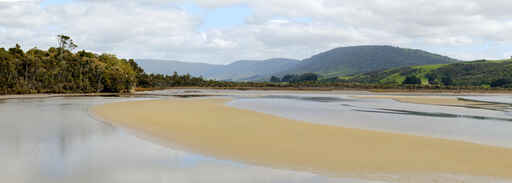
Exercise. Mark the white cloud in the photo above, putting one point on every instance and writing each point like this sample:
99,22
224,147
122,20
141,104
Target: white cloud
159,29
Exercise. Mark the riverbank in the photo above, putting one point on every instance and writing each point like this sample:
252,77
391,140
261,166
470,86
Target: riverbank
333,89
198,91
208,126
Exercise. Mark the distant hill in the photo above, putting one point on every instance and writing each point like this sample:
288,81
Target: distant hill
360,59
476,73
236,71
169,67
337,62
249,69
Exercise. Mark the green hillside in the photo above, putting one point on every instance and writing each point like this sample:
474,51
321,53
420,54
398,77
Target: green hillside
476,73
361,59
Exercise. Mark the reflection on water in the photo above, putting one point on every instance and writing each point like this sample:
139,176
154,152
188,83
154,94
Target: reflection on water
54,140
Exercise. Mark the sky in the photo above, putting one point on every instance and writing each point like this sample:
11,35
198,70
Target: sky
223,31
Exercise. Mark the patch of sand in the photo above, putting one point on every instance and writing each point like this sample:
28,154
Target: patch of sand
208,126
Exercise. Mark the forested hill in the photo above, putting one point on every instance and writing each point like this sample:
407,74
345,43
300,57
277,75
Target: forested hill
480,73
360,59
58,70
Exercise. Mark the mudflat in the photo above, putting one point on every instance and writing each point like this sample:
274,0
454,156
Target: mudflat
208,126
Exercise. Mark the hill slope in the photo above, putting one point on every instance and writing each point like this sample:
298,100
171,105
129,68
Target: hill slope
237,71
337,62
248,69
476,73
360,59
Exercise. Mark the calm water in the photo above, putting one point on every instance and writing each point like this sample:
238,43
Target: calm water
55,140
491,127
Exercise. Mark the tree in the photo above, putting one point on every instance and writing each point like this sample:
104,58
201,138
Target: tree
275,79
501,82
447,80
65,42
432,78
412,80
308,77
288,78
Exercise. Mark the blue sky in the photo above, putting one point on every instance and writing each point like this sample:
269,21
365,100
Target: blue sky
46,3
223,31
213,18
218,18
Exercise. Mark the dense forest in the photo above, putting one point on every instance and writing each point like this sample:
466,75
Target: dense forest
58,70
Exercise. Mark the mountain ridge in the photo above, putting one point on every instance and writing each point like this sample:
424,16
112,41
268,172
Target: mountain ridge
341,61
237,71
360,59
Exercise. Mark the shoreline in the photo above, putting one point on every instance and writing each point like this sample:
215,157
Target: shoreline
320,90
277,142
333,89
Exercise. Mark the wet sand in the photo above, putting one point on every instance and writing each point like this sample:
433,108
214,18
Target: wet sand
208,126
437,100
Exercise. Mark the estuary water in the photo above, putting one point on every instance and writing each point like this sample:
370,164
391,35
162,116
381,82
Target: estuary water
55,140
482,126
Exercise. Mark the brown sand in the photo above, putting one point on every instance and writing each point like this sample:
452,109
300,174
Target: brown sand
208,126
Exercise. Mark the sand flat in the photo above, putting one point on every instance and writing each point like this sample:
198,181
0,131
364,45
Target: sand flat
208,126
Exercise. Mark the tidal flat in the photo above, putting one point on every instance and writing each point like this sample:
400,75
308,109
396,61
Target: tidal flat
252,136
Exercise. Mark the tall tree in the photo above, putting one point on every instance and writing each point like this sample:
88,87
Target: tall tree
65,42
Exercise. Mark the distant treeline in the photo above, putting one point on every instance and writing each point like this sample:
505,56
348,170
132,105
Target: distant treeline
295,78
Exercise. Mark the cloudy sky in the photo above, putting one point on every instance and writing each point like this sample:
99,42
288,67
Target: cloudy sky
222,31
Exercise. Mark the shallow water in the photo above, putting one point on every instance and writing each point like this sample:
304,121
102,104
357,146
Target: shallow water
482,126
55,140
500,99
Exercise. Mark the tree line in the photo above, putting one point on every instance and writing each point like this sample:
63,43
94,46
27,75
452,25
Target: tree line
295,78
60,70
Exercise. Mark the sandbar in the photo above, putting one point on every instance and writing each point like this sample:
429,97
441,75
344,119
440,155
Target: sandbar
209,127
